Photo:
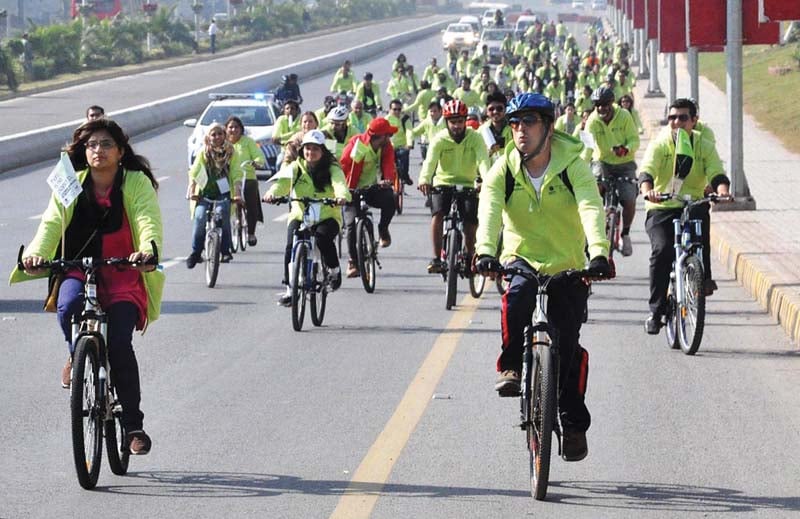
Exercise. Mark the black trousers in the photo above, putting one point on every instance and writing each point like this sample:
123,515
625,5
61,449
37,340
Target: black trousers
382,199
565,311
252,199
661,231
325,233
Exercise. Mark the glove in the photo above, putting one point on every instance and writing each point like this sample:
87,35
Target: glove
620,151
600,266
486,264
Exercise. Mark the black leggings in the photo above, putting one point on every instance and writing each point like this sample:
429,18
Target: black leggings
325,233
383,199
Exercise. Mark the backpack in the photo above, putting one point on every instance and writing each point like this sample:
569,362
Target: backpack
510,182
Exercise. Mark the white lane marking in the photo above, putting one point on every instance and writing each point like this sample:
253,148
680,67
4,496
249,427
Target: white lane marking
162,179
35,217
281,218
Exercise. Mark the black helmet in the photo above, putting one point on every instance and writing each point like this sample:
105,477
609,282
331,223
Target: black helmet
602,95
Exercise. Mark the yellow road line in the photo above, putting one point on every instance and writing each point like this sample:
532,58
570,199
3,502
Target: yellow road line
364,489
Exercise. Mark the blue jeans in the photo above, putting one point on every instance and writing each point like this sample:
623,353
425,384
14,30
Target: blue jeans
122,318
199,227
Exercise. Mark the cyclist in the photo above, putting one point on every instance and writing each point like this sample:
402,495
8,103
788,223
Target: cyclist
246,149
547,225
457,157
617,140
469,97
369,159
658,176
287,124
496,126
569,121
344,79
626,102
289,89
214,175
370,95
424,97
358,118
429,127
402,139
327,105
338,129
399,86
116,215
316,174
308,122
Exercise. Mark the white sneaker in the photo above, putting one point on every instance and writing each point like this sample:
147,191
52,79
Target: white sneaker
627,246
286,298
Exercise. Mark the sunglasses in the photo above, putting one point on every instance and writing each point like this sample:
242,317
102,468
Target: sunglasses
681,117
602,105
529,121
496,108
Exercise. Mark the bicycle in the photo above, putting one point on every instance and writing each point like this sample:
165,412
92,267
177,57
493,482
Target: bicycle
686,298
454,253
539,380
610,187
95,412
308,274
213,243
366,245
239,225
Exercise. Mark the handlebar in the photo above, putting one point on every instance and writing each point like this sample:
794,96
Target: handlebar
463,190
88,263
255,165
687,200
304,199
545,279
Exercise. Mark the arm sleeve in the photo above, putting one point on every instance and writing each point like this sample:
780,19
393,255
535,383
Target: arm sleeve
255,153
339,184
713,164
482,156
48,234
590,207
430,163
283,185
490,209
145,215
631,135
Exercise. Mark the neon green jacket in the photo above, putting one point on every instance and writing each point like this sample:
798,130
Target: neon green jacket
471,98
548,231
506,133
361,95
424,98
283,130
428,129
659,160
144,217
247,149
341,83
455,164
620,131
304,186
402,137
359,125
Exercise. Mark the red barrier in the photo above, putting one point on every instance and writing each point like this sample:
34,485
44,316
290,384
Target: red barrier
775,10
652,19
672,26
639,15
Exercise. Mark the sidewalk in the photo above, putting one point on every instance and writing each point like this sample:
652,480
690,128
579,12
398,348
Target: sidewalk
760,248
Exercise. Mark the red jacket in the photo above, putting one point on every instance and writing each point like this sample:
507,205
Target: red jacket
352,170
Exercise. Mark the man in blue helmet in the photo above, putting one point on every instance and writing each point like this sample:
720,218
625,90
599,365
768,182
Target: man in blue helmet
547,197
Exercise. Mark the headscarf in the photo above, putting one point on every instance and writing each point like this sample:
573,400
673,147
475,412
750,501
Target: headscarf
217,158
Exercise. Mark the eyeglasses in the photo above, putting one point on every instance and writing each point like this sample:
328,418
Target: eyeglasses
529,121
496,108
105,144
681,117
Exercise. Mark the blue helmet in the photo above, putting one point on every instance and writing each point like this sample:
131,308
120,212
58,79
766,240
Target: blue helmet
527,102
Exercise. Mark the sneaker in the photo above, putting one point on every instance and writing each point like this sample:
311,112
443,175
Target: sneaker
286,298
352,270
139,443
508,383
252,240
407,181
335,275
193,259
226,258
653,324
627,246
427,202
435,266
66,374
386,238
709,287
573,445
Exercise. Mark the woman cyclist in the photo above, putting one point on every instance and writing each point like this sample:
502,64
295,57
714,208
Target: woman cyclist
316,174
308,122
214,175
116,215
246,149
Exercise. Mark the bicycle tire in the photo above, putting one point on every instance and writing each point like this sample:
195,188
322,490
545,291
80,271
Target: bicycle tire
611,232
366,254
235,232
671,317
453,247
543,414
117,450
86,412
398,201
477,282
212,258
693,314
299,287
240,232
319,297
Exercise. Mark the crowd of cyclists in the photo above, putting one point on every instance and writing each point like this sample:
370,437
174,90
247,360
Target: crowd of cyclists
532,134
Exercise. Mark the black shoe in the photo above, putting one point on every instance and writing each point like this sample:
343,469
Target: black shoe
435,266
653,324
573,445
139,443
336,279
407,181
252,241
226,258
193,259
709,287
385,238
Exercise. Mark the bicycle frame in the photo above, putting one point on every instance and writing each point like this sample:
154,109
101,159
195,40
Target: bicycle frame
454,221
688,242
305,235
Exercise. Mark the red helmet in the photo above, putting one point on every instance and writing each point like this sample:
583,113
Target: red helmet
454,108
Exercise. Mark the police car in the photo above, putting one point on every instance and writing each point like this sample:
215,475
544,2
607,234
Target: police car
257,112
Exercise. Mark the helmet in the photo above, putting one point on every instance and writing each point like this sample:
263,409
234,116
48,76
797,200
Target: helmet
527,102
284,79
339,113
314,137
454,108
602,95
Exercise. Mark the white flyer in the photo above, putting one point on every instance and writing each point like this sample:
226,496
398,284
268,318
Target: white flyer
64,182
488,137
588,139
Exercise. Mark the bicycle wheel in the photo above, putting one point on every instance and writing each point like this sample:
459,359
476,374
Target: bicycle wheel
86,407
398,200
241,217
671,316
365,248
118,454
319,296
453,246
611,231
543,414
212,258
235,229
299,287
692,315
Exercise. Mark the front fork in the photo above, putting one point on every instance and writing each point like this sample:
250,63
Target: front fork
684,247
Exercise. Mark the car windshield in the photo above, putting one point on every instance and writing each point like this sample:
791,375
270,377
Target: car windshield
250,115
494,35
459,28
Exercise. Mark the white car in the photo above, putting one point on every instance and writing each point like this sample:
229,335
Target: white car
599,4
577,4
257,112
488,17
473,21
458,35
493,39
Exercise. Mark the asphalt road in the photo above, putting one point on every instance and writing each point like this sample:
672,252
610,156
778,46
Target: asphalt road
388,408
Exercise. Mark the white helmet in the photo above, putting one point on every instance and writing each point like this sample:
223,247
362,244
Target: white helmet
338,113
314,137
